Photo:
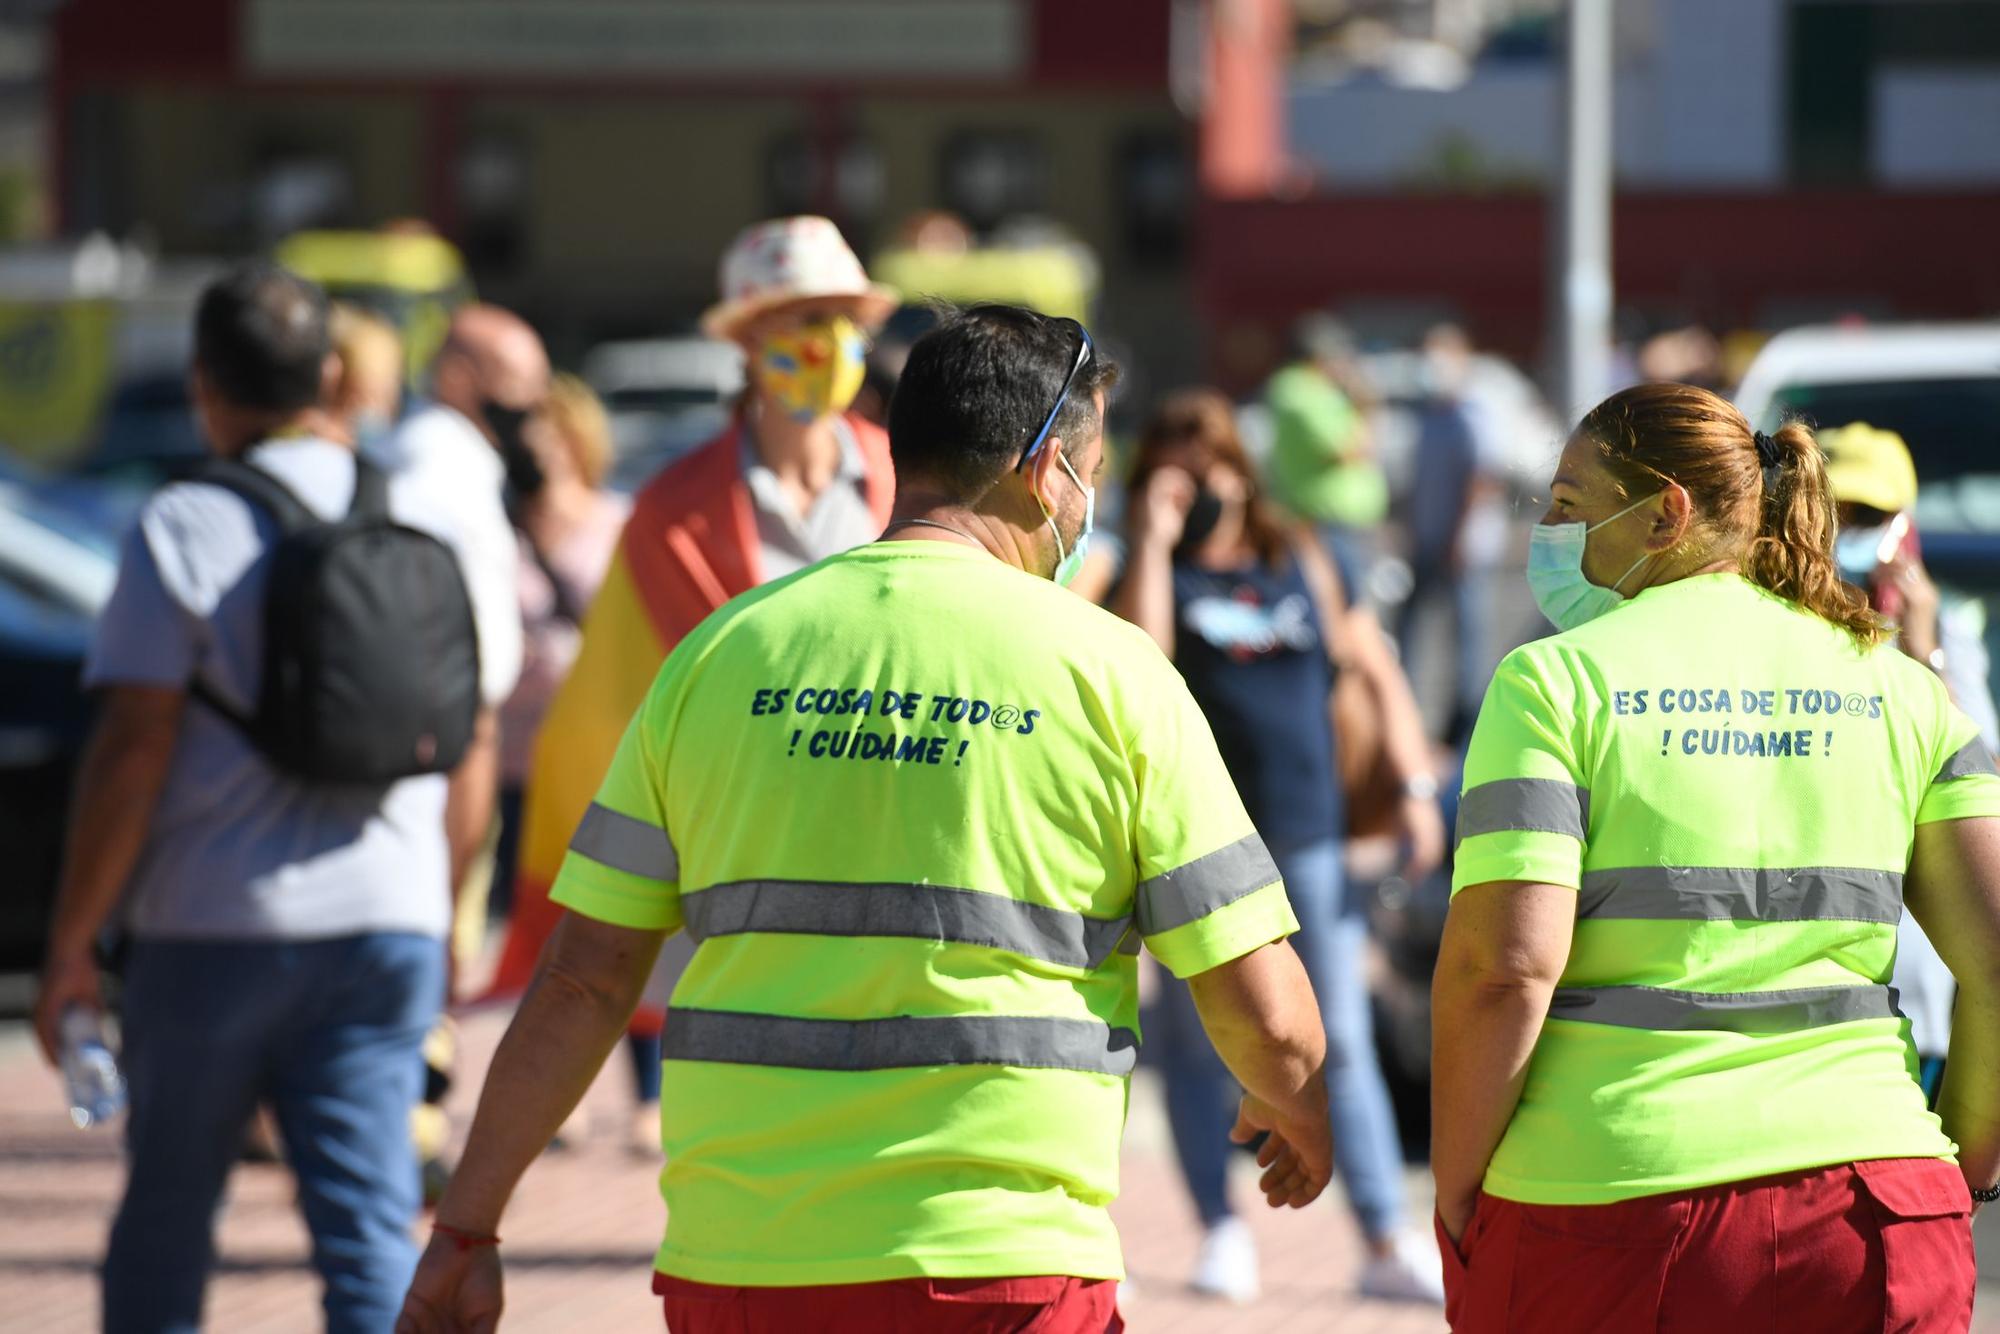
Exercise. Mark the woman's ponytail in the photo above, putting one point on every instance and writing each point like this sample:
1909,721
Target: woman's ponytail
1792,553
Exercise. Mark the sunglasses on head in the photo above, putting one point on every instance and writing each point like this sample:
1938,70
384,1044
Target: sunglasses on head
1085,350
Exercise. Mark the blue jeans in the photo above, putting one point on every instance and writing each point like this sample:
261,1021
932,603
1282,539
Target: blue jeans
1470,596
328,1033
1201,1094
646,1072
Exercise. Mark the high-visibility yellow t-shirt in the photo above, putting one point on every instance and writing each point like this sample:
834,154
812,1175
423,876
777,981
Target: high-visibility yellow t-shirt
919,808
1732,785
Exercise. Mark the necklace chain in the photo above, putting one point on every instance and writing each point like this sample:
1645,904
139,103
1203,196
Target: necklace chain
932,523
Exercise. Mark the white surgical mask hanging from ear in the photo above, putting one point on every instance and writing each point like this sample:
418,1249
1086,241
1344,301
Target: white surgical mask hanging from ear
1069,562
1555,572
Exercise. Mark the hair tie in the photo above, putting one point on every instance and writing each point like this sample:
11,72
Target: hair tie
1773,462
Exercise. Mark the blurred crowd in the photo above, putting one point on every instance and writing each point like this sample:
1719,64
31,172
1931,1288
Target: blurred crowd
1331,546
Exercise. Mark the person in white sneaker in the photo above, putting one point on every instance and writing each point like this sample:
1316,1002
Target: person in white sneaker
1252,614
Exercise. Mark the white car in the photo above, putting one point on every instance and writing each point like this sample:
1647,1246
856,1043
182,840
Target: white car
1937,385
665,396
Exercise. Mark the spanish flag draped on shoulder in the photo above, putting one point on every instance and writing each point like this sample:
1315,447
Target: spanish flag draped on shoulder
690,546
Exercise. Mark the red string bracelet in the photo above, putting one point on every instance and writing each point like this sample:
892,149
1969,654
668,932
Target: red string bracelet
463,1240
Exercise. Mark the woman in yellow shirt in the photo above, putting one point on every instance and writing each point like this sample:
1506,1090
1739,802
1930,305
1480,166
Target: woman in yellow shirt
1672,1089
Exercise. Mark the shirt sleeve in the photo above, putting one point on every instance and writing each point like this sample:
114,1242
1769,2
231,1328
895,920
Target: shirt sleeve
622,866
1966,784
1208,889
492,569
1525,810
462,477
144,637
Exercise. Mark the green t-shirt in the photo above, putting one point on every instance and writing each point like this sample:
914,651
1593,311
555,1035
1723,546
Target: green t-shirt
913,803
1314,470
1733,786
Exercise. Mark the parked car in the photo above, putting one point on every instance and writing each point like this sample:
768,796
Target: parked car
58,562
664,396
1936,385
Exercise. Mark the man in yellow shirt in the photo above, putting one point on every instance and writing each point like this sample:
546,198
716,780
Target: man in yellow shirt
919,807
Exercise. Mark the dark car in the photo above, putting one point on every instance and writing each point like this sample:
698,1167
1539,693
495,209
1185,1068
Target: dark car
57,564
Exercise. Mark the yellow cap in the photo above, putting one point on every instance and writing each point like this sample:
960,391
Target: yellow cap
1868,466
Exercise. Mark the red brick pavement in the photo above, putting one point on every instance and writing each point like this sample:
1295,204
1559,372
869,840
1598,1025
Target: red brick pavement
581,1232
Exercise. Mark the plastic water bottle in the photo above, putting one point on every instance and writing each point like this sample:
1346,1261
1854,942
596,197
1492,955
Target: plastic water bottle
96,1089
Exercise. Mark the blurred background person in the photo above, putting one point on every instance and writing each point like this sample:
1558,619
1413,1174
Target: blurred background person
1875,493
366,397
286,933
569,527
1323,467
360,403
1874,486
569,530
1456,527
1253,613
465,447
796,476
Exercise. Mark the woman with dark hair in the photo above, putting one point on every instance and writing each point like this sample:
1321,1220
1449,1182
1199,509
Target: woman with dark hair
1251,611
1672,1087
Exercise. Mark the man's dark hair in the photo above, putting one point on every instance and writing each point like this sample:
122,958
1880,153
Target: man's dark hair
976,389
260,336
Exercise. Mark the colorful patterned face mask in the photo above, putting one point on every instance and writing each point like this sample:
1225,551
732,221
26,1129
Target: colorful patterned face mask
814,369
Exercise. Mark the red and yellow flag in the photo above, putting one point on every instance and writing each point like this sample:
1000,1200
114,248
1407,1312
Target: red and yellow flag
690,546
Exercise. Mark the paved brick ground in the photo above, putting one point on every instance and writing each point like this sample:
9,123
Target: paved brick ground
581,1232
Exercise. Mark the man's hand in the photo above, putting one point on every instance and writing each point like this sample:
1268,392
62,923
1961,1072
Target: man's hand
1423,830
1297,1155
69,978
118,784
456,1290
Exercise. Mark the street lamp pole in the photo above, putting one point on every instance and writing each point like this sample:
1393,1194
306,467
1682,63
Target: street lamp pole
1580,249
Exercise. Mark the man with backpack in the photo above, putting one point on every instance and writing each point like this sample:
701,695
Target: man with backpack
288,672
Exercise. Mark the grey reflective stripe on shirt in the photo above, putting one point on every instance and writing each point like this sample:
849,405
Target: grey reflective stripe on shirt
1541,805
1967,761
922,912
625,844
1741,894
1191,892
906,1042
1667,1010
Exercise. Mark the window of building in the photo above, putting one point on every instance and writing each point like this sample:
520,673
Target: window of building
988,176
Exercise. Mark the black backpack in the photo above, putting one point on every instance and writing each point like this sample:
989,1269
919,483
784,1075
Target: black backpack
371,658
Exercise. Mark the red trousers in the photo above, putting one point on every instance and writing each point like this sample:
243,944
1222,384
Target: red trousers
1039,1305
1874,1246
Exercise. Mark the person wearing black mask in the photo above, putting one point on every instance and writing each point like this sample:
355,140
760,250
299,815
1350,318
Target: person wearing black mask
465,450
490,376
1252,613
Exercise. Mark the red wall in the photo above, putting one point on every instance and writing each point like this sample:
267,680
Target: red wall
1071,43
1725,259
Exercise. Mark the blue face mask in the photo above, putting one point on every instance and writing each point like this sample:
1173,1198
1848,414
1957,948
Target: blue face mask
1555,572
1071,561
1857,551
370,427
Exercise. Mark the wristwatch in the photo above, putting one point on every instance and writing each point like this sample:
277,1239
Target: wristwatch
1423,787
